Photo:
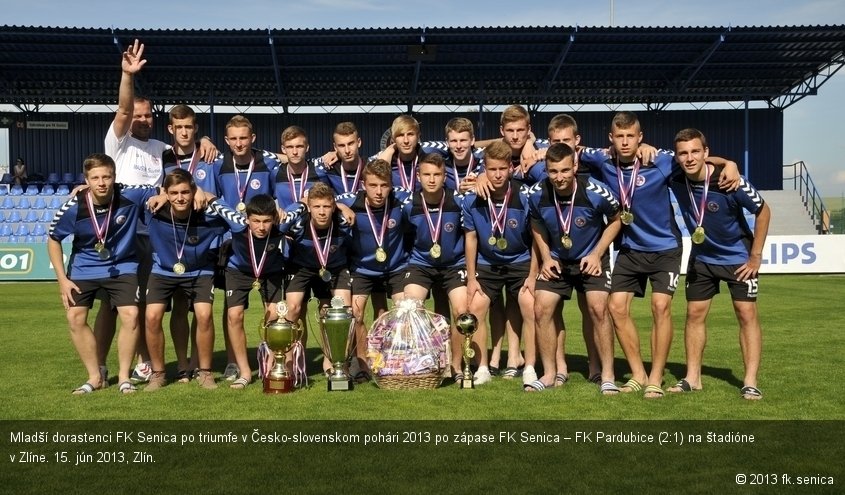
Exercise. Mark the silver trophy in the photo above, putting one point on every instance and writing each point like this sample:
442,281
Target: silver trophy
336,330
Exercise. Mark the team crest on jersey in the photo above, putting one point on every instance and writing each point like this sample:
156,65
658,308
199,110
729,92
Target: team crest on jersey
640,180
580,221
512,223
449,227
333,248
200,174
712,206
391,223
120,219
193,239
255,183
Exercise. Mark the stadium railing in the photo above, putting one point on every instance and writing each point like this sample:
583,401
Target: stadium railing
803,183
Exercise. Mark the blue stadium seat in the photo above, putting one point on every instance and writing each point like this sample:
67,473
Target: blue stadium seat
40,203
68,178
16,190
4,189
24,203
8,203
80,178
56,202
53,178
7,179
14,216
2,216
12,239
6,230
39,229
31,190
31,239
47,190
21,230
62,190
31,216
46,215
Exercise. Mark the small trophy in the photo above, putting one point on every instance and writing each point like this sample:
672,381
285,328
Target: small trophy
280,335
467,324
336,329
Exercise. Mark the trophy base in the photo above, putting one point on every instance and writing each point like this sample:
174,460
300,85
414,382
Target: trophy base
340,385
468,384
278,385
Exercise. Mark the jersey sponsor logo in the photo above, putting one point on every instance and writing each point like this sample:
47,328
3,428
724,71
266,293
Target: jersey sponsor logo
200,174
120,219
580,221
391,223
449,227
255,184
512,223
640,180
712,206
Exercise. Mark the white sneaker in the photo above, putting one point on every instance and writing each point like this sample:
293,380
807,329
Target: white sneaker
529,375
142,372
232,372
482,376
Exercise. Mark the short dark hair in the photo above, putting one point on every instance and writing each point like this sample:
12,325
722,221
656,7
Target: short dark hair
558,152
95,160
689,134
179,176
262,204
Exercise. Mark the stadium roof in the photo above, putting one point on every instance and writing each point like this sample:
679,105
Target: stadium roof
419,66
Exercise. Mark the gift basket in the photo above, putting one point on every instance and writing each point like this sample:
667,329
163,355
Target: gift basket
408,347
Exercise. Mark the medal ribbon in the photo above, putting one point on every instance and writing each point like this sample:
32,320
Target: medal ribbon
498,218
303,181
354,187
566,223
242,191
257,268
698,210
322,251
180,249
195,159
626,193
407,183
99,230
434,230
458,179
379,238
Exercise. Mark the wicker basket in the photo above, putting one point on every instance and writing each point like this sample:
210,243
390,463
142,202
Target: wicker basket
409,382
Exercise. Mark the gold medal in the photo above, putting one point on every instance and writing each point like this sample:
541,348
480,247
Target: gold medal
627,217
325,275
566,241
381,255
241,207
492,240
698,235
104,254
99,247
435,250
256,284
179,268
502,243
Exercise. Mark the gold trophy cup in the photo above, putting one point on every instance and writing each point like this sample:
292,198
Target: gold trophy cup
336,330
280,335
467,324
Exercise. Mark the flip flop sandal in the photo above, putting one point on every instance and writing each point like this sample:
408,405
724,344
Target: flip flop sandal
535,386
561,379
239,384
750,393
127,388
609,388
510,373
682,387
653,389
85,388
632,385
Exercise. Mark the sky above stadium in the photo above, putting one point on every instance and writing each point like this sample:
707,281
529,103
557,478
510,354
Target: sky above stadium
810,126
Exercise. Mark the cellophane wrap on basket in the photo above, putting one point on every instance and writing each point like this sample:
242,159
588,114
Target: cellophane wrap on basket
408,340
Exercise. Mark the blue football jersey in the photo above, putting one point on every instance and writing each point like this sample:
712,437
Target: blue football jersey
451,234
287,192
239,184
122,215
517,229
202,172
